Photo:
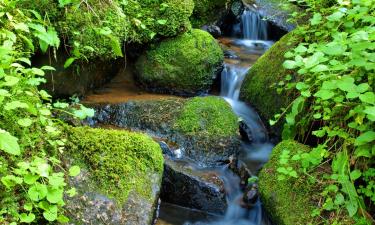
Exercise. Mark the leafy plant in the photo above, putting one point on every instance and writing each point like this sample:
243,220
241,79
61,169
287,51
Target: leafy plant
333,72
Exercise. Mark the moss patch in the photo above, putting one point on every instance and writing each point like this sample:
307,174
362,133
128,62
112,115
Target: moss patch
206,11
286,201
120,161
182,65
211,116
257,87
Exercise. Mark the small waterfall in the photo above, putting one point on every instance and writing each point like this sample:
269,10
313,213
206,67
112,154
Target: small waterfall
253,26
231,81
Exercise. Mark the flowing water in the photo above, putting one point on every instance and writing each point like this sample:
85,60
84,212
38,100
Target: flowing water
243,53
253,26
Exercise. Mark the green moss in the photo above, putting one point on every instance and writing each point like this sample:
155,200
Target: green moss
120,161
287,201
93,29
257,87
206,11
185,64
292,201
211,116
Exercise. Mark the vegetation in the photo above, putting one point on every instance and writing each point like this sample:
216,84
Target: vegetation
32,178
98,29
184,65
207,116
332,70
120,161
206,11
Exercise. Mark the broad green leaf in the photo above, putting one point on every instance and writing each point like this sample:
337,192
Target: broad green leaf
74,171
365,138
335,16
15,105
370,111
289,64
69,62
355,174
37,192
27,218
51,213
162,22
54,195
325,94
9,143
30,178
368,97
316,19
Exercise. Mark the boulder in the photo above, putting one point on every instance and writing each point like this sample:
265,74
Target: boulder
120,178
205,128
281,197
186,65
186,186
258,87
207,11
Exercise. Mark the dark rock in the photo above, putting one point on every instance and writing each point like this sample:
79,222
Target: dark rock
238,167
236,8
250,196
245,131
229,54
165,148
77,79
183,185
213,30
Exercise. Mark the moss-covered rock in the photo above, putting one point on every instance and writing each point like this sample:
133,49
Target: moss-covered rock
286,201
207,11
258,87
292,201
211,116
99,28
184,65
204,127
124,168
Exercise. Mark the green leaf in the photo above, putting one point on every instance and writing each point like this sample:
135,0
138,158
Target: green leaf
116,47
71,192
335,16
56,180
30,178
69,62
289,64
37,192
324,94
162,22
15,105
74,171
27,218
368,97
63,3
9,143
365,138
51,213
355,174
26,122
370,111
316,19
54,195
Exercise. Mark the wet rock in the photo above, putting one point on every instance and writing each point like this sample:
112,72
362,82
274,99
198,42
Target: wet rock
245,131
237,8
238,167
110,188
214,30
250,196
165,148
229,54
77,79
185,186
157,117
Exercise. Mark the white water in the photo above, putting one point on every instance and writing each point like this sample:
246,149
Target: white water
253,26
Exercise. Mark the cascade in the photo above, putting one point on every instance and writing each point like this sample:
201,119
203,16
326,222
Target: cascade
253,26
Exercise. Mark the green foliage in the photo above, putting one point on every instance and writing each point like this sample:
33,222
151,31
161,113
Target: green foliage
335,81
206,11
211,116
92,29
185,64
32,179
120,161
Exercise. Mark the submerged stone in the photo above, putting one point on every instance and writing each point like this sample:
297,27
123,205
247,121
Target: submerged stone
185,65
120,178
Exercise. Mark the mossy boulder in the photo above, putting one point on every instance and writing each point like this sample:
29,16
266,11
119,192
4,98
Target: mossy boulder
207,11
99,28
206,128
185,65
292,201
120,179
258,87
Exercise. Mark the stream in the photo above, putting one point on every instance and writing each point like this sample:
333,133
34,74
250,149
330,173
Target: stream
240,55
